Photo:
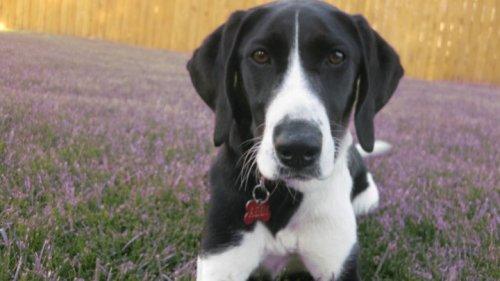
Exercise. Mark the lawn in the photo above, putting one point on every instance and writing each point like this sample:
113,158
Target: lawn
104,150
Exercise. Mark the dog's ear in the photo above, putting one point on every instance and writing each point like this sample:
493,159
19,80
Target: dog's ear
213,71
379,76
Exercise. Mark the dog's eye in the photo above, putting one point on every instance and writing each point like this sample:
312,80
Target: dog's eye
260,57
336,57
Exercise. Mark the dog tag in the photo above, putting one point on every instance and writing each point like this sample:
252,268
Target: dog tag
256,211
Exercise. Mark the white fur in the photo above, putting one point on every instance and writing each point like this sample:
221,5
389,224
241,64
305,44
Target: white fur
322,232
380,147
367,200
295,100
236,263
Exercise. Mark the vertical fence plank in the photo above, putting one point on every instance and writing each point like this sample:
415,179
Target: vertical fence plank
436,39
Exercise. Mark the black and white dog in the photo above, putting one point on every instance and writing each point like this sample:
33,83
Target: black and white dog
283,80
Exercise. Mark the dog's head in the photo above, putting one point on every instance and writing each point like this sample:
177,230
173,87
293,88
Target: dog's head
289,74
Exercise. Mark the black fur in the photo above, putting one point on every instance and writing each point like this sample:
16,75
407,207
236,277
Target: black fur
358,172
351,272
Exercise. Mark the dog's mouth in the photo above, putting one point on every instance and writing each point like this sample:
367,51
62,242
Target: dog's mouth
286,174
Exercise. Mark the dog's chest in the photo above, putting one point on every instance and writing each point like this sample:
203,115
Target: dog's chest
325,213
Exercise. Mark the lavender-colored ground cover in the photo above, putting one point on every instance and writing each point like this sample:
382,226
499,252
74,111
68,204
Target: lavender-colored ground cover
104,150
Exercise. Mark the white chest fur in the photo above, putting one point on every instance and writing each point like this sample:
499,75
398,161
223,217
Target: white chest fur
322,232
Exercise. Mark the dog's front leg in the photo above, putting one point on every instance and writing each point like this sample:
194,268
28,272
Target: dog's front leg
234,263
326,251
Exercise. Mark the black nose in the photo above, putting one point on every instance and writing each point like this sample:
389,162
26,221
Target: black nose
297,143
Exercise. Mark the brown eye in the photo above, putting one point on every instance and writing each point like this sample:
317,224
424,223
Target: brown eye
260,57
336,58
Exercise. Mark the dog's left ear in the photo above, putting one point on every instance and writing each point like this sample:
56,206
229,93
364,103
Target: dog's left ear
379,76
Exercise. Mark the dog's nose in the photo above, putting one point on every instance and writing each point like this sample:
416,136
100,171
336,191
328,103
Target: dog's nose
297,143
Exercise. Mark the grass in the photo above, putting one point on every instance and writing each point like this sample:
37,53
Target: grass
110,238
103,170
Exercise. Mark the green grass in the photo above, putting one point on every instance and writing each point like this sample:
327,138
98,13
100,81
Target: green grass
128,238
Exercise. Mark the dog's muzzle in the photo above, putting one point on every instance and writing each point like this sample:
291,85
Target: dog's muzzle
297,143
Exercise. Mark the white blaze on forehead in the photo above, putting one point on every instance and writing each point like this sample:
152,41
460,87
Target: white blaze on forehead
294,99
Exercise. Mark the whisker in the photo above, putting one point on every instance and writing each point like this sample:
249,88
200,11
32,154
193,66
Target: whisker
249,172
275,188
250,169
248,162
261,125
250,140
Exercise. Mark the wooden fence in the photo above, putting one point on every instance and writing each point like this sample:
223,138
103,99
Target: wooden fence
437,39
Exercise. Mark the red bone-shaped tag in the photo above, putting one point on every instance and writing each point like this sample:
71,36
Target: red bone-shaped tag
256,210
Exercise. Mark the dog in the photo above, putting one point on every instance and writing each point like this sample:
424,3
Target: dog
283,80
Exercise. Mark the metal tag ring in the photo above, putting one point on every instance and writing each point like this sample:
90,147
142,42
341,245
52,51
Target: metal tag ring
263,188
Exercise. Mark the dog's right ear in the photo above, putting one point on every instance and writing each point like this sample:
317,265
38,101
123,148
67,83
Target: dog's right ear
207,69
